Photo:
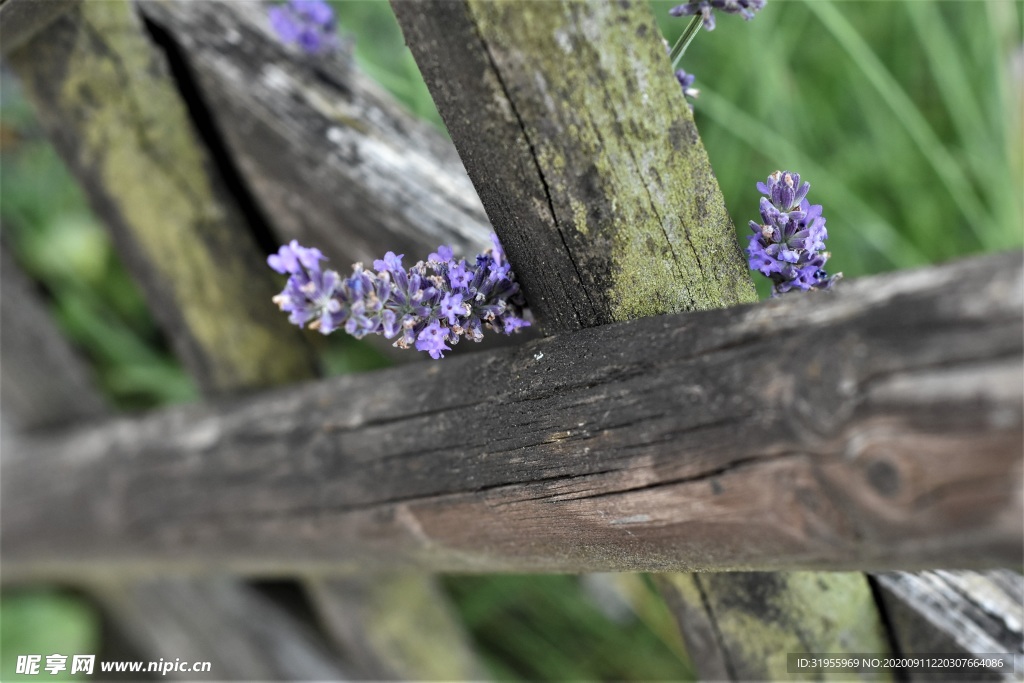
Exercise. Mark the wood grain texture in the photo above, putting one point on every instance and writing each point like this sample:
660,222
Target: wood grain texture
46,384
331,159
875,427
107,100
587,153
584,154
20,20
951,612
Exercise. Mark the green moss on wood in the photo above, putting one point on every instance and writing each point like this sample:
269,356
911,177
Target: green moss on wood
109,93
760,617
629,181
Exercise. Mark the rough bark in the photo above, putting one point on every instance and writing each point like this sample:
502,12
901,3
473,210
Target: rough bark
584,154
875,427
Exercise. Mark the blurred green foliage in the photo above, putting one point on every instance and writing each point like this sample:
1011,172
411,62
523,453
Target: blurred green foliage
45,623
51,231
904,116
551,628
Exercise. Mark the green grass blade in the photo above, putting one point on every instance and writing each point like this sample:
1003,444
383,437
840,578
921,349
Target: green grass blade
945,166
882,235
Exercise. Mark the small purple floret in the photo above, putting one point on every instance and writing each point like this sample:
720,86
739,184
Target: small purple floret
686,83
705,8
307,23
429,305
788,246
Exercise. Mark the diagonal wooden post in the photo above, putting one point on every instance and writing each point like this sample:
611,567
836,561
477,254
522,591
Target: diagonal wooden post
592,171
588,163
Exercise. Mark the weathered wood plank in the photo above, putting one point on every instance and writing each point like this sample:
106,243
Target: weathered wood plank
966,613
45,382
396,627
243,635
243,315
608,171
112,110
584,154
331,159
875,427
20,20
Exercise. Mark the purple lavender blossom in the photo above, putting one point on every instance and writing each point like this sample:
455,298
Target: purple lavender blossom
429,305
686,83
788,247
306,23
745,8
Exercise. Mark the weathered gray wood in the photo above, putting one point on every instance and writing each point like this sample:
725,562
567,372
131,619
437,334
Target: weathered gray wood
241,633
106,97
875,427
584,154
607,175
44,381
46,384
246,314
20,20
331,159
966,613
396,627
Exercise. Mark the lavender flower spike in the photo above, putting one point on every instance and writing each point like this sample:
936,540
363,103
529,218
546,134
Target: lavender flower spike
789,246
429,305
745,8
306,23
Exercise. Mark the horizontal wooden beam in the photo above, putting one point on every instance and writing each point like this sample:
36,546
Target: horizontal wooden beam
878,426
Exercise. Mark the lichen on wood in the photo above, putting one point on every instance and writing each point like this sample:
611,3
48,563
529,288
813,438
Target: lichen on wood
585,155
110,105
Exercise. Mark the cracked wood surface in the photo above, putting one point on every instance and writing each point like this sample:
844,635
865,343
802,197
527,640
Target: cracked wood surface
579,143
112,35
331,158
580,130
955,612
878,426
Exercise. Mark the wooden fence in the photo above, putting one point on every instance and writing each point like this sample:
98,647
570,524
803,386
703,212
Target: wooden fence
653,429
